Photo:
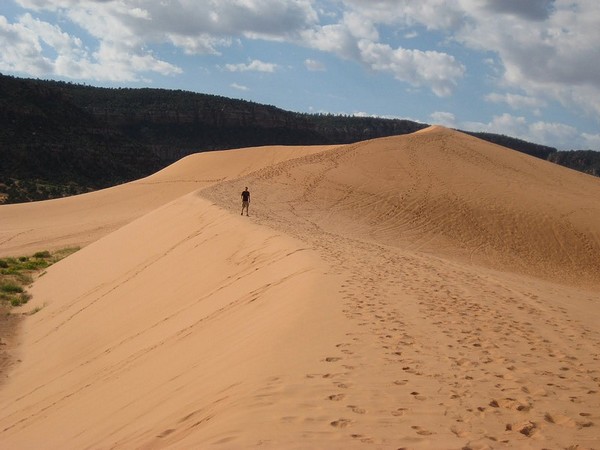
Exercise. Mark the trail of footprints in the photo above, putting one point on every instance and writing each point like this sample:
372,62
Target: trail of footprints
516,346
477,347
444,338
383,342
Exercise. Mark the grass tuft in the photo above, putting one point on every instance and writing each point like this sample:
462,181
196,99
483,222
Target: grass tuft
18,273
11,288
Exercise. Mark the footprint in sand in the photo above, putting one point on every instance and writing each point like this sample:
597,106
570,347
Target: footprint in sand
459,432
421,431
341,423
357,410
559,419
527,428
365,439
399,412
330,375
166,433
510,403
418,396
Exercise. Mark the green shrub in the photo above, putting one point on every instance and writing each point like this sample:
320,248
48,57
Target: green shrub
17,273
35,264
20,300
11,288
35,310
24,278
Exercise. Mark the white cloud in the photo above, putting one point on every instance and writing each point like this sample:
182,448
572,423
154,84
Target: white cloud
515,101
446,119
314,65
125,30
25,45
202,44
545,52
433,14
334,38
239,87
253,66
529,10
139,13
356,37
503,124
115,64
185,17
546,49
21,49
543,49
553,134
359,27
52,35
590,141
439,71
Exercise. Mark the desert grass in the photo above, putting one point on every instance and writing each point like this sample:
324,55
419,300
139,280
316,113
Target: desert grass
17,273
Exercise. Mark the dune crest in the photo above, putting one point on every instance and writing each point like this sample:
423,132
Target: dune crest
449,194
82,219
421,291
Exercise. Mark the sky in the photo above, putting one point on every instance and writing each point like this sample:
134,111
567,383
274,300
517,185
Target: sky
524,68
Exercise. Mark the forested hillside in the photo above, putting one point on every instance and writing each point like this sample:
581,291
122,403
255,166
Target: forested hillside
61,138
587,161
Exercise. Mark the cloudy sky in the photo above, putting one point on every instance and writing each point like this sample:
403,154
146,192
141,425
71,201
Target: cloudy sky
525,68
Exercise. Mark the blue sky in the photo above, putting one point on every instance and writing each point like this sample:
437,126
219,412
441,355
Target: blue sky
529,69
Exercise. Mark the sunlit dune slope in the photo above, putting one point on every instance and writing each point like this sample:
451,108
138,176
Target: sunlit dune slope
446,193
165,323
76,221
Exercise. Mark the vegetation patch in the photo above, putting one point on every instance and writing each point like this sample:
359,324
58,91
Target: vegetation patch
17,273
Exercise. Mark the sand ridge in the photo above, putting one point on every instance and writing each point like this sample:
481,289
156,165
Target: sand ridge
421,291
82,219
446,193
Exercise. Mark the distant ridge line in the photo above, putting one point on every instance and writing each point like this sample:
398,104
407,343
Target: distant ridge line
59,138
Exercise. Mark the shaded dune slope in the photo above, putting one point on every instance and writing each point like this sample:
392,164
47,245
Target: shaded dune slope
394,292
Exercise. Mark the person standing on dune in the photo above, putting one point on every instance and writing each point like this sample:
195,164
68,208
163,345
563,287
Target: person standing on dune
245,200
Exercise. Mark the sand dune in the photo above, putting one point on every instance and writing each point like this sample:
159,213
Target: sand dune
421,291
79,220
445,193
